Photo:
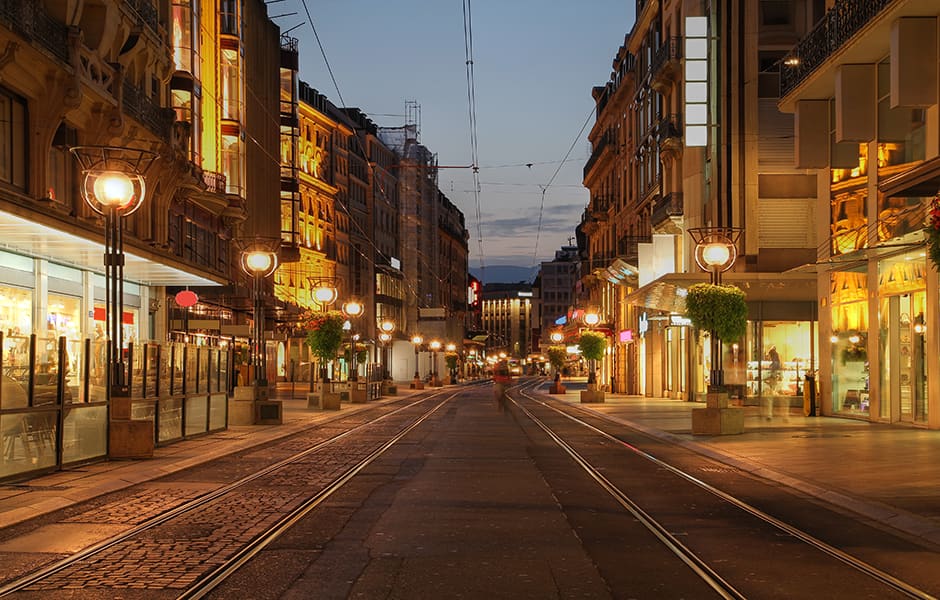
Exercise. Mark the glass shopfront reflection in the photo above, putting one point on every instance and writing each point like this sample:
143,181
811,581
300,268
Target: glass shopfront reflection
902,325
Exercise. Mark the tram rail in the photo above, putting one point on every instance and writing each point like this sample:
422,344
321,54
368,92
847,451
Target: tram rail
699,566
56,575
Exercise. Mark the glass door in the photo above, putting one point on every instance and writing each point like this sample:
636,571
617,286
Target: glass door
903,374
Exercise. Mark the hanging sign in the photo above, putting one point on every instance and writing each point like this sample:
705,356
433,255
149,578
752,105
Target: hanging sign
186,298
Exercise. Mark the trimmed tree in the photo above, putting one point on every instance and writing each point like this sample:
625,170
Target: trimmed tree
721,309
557,355
324,337
592,346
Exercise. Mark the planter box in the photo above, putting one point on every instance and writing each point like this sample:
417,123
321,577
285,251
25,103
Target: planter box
323,401
592,396
717,421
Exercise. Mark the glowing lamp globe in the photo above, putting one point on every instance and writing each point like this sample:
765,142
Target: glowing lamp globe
435,345
352,308
592,319
114,189
385,337
324,295
716,254
387,326
416,340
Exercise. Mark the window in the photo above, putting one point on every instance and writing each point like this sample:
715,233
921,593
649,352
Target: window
776,13
12,140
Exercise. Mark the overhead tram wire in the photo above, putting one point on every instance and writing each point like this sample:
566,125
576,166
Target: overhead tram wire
472,113
408,285
538,232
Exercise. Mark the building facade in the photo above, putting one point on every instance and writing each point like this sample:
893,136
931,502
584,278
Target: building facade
862,85
688,139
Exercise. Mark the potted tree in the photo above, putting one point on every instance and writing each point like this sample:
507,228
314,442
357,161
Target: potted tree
592,345
324,337
722,310
450,359
556,357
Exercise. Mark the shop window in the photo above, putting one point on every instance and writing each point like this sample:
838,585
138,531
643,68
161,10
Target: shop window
849,339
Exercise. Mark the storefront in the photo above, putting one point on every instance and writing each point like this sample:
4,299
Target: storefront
782,321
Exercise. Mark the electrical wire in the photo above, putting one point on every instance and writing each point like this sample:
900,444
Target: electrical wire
472,113
538,232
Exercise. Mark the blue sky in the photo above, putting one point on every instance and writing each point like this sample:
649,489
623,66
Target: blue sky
535,63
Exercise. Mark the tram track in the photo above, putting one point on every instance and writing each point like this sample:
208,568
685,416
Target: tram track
361,442
700,566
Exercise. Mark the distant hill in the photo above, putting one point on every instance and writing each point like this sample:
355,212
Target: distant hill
505,274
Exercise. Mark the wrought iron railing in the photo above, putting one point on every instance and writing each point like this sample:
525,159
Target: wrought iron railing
146,11
153,116
607,139
215,182
670,50
28,19
838,26
669,205
669,127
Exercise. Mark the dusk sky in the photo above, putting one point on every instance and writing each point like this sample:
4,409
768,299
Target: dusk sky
535,63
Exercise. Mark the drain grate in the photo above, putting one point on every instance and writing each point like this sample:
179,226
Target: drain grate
718,469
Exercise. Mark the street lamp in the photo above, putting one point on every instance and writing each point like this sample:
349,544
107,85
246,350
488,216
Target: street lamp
435,346
715,252
353,309
113,185
386,327
452,349
591,319
557,337
258,262
417,341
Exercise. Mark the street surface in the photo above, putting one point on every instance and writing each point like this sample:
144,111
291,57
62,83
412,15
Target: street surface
441,495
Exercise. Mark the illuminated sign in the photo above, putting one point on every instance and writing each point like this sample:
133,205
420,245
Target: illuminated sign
525,294
679,321
626,336
696,81
396,264
473,294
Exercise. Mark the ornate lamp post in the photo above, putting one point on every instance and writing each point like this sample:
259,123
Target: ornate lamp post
258,262
417,384
386,327
352,309
591,319
435,346
715,252
113,185
451,348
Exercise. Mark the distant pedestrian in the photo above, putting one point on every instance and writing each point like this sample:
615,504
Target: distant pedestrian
502,379
772,381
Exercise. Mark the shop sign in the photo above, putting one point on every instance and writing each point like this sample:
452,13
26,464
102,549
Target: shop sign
625,336
679,321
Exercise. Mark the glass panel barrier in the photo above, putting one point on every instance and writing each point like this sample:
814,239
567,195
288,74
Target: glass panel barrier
191,371
27,441
196,414
218,404
85,433
170,423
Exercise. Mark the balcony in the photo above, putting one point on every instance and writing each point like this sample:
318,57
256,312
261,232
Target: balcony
834,30
665,67
669,136
157,119
606,140
665,208
28,19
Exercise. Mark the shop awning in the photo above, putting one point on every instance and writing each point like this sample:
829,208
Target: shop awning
668,292
32,238
922,181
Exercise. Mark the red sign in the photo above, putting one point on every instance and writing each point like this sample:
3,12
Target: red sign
100,316
186,298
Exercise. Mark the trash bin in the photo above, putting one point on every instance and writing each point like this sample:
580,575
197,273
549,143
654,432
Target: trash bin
809,396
